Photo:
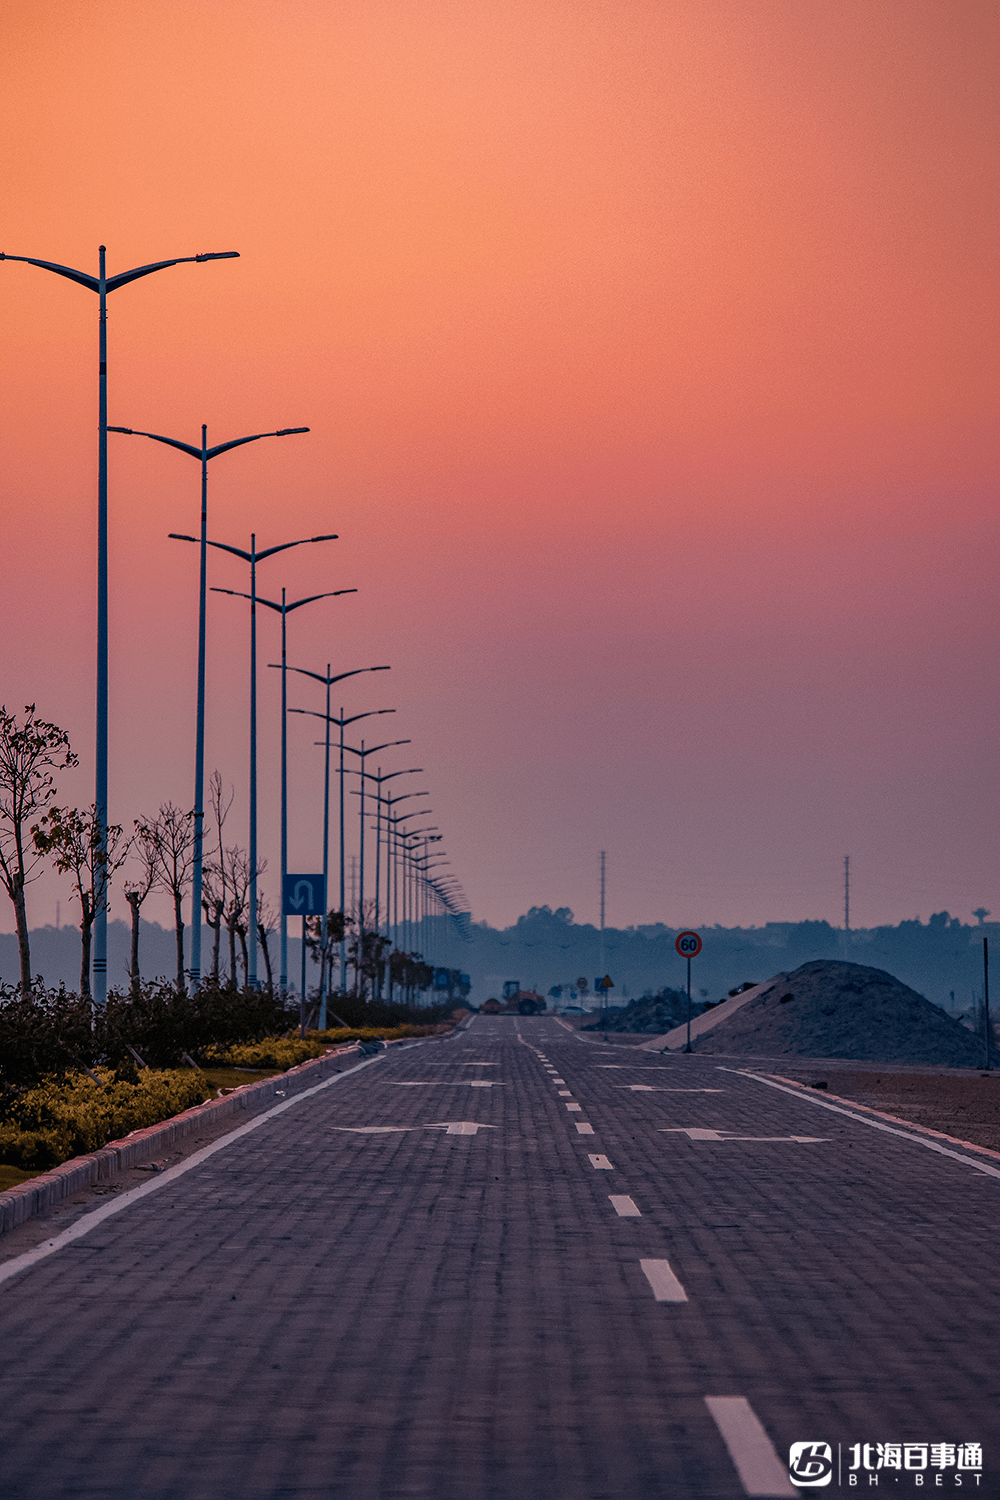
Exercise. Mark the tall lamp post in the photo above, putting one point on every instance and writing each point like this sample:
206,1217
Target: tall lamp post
253,557
379,778
284,609
203,454
102,284
400,835
364,753
328,680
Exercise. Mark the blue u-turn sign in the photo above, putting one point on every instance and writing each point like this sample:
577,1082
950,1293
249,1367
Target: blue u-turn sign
303,896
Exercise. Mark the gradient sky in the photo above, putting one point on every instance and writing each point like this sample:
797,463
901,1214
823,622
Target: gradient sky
649,351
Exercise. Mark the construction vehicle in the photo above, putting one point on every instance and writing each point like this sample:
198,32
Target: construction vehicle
522,1002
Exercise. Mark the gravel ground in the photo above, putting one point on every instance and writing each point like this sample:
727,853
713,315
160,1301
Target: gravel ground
960,1102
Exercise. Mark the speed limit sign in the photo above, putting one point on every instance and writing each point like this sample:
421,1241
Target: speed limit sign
688,944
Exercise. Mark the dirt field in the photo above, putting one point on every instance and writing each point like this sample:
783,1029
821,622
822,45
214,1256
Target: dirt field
960,1102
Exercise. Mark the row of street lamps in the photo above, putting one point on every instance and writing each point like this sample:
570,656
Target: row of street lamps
399,844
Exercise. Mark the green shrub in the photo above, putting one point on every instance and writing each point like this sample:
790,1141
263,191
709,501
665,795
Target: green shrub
339,1035
64,1117
272,1052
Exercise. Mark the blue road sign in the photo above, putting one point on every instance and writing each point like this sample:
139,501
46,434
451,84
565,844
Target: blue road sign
303,896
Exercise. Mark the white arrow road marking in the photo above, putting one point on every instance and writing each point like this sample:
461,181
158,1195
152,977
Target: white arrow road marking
666,1287
624,1206
695,1133
750,1448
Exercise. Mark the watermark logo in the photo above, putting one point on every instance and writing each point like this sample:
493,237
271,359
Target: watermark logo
814,1465
810,1464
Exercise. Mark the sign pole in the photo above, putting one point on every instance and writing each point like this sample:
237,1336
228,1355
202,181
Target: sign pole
302,1002
688,945
986,1003
688,1047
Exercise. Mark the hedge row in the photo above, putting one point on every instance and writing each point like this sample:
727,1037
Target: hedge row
73,1115
50,1033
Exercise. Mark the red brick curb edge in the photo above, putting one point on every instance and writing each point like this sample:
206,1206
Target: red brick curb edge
29,1198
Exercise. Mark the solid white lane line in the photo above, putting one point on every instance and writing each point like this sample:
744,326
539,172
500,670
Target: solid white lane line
90,1221
624,1206
917,1140
698,1133
601,1163
666,1287
574,1106
751,1450
582,1128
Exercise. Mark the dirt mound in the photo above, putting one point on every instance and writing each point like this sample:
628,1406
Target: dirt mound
649,1016
833,1009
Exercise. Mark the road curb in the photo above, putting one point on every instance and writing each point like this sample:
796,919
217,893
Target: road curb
18,1204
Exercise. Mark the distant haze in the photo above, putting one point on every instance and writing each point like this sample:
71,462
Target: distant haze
650,356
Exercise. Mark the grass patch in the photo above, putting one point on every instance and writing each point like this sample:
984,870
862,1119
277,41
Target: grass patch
13,1177
336,1036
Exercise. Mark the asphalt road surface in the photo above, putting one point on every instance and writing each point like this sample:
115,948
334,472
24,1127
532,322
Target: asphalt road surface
517,1265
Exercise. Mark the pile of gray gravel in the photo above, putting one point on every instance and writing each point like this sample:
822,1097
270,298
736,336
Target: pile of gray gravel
833,1009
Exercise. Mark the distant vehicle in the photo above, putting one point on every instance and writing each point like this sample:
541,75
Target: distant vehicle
522,1002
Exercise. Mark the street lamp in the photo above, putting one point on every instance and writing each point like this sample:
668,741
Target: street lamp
390,865
284,609
328,681
400,844
341,722
364,754
253,557
102,284
203,454
378,779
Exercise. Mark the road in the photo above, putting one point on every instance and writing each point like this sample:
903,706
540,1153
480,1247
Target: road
517,1265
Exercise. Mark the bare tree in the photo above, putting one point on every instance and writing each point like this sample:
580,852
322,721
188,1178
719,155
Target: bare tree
237,868
29,753
213,904
215,882
171,835
81,846
267,921
137,890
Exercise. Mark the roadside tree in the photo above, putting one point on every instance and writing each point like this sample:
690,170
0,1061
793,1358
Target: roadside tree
171,837
29,754
79,845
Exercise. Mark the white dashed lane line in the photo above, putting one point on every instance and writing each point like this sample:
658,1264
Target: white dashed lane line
624,1206
666,1287
582,1128
574,1106
751,1450
601,1163
563,1093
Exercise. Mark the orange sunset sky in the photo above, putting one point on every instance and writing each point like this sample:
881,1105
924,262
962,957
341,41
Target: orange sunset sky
649,352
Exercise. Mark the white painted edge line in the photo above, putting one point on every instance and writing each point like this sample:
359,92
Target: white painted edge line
600,1163
624,1206
666,1287
837,1109
582,1128
750,1448
90,1221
